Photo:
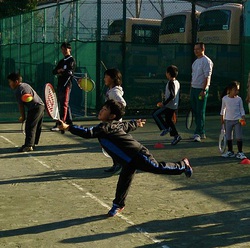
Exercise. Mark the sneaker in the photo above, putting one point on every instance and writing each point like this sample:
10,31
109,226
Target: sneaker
203,136
197,138
228,154
115,210
188,169
192,137
241,155
55,129
165,131
176,139
25,149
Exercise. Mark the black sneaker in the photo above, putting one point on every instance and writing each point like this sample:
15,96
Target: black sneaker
25,149
176,139
165,131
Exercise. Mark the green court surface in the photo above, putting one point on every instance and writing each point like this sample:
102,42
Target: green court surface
59,194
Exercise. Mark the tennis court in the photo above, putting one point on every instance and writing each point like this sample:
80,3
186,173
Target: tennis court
59,194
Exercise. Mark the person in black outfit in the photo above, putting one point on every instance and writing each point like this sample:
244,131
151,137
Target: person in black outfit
114,137
35,113
64,71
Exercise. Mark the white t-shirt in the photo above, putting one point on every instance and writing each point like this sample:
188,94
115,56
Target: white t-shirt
232,108
201,69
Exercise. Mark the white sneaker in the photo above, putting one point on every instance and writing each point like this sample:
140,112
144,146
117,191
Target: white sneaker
241,155
197,138
203,136
228,154
55,129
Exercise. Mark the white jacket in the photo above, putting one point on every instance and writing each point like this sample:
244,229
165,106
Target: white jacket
116,94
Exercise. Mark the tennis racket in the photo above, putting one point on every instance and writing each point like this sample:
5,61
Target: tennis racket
222,140
85,83
51,102
189,118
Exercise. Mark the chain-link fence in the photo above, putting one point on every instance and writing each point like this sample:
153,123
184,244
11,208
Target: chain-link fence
154,35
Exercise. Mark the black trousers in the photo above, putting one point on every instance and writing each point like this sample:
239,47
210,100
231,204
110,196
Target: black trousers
144,161
168,122
33,126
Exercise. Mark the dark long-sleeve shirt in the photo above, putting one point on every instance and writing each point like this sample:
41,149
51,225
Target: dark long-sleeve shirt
114,137
68,64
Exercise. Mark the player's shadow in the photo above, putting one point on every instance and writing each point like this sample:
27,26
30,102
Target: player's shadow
59,175
53,150
219,229
51,226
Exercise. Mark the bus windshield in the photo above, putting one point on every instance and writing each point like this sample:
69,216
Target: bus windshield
215,20
115,27
142,33
173,24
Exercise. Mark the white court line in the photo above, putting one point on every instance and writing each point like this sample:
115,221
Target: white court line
140,230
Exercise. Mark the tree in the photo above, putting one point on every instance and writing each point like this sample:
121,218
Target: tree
16,7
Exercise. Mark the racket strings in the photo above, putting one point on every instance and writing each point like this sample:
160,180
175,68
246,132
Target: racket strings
50,101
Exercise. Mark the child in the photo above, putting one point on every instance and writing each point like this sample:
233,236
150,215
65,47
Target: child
231,112
64,71
169,106
35,111
113,80
114,136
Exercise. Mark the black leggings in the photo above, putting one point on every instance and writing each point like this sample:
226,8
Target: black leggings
143,161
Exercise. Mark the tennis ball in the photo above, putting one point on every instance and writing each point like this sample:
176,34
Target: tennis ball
200,97
242,122
85,85
27,98
159,104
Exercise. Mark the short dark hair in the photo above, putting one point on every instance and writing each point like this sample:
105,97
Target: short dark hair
14,76
115,108
115,74
173,71
66,45
201,44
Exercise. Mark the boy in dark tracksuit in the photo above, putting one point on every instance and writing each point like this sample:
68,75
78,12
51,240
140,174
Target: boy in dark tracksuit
35,111
114,137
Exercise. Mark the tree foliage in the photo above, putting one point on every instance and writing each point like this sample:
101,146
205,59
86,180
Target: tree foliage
16,7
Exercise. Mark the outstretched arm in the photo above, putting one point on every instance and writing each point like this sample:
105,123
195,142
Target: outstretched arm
84,132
